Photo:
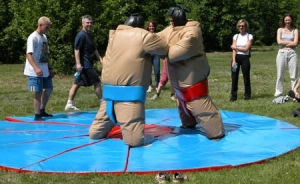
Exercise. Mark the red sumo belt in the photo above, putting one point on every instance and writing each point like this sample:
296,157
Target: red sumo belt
191,93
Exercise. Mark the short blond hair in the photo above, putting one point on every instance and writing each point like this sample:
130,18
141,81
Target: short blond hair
44,20
240,21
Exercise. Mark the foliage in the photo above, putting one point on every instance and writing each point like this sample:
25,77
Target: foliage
218,20
18,18
4,21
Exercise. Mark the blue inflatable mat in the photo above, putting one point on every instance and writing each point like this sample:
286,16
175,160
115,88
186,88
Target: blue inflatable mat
61,144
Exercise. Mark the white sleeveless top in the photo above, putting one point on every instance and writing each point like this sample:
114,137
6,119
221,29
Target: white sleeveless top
241,42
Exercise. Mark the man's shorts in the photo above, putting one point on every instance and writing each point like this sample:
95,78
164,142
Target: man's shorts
37,84
87,77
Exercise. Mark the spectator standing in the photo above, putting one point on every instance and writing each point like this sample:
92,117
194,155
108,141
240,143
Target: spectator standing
163,82
85,54
241,45
38,68
287,39
151,27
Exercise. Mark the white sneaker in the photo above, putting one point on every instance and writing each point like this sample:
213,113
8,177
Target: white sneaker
162,177
179,177
154,97
71,107
149,89
277,94
173,98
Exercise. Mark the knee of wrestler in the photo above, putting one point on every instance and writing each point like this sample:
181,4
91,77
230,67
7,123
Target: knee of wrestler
134,141
95,134
219,137
213,127
216,134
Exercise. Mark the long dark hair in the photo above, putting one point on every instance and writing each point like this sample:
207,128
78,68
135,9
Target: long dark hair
293,23
154,24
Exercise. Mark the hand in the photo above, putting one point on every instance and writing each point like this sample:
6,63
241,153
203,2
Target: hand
233,63
38,71
78,67
51,72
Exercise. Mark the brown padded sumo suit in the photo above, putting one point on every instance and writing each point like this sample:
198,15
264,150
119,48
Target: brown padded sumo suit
127,62
187,66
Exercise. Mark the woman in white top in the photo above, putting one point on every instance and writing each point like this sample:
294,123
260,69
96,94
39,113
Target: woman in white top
241,45
287,39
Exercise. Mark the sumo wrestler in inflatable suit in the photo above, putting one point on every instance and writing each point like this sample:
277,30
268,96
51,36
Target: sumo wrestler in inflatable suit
126,76
188,71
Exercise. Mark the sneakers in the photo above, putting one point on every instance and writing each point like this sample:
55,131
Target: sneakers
38,118
45,114
178,177
162,177
154,97
149,89
71,107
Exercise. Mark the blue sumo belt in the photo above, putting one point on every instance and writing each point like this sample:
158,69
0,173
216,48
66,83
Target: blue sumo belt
113,94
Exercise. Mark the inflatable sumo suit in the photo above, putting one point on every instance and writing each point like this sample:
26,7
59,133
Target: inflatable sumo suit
125,76
188,70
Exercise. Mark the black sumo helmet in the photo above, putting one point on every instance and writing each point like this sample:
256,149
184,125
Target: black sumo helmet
135,20
178,14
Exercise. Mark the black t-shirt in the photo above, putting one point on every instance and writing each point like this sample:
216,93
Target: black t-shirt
84,43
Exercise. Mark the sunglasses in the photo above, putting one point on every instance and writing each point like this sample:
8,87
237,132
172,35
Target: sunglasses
242,26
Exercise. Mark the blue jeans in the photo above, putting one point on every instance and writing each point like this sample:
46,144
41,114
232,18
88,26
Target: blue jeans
156,68
37,84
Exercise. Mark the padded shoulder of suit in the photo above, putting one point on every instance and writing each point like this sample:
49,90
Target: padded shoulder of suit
193,23
123,27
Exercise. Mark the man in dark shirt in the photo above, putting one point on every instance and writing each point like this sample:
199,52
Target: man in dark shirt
85,53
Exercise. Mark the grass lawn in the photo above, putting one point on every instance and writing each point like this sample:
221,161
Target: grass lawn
17,101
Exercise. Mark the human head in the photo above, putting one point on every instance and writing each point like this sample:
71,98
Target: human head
177,16
135,20
242,25
151,26
87,23
288,19
43,24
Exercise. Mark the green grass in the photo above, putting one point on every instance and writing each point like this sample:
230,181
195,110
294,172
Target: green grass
15,100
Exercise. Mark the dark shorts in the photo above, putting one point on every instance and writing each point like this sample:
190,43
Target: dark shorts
37,84
88,77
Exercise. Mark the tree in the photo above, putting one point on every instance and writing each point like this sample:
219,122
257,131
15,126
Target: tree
5,18
18,18
217,19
